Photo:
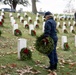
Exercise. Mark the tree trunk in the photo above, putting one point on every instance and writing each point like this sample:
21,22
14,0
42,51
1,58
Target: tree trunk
34,9
14,4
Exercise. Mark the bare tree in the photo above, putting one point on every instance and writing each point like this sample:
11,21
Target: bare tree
13,3
70,5
34,8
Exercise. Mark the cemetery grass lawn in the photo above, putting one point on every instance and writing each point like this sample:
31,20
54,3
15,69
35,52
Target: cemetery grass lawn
10,64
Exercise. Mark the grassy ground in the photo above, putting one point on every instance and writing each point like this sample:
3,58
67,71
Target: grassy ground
9,63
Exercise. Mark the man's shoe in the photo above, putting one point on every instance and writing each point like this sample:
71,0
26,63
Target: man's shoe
55,66
50,67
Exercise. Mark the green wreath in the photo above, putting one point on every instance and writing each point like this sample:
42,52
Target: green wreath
33,33
25,54
44,45
27,26
37,26
73,31
1,24
17,32
65,31
66,46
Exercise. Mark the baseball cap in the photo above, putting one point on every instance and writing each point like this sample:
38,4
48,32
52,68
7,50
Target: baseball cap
48,13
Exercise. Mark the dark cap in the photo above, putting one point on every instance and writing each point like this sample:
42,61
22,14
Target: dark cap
48,13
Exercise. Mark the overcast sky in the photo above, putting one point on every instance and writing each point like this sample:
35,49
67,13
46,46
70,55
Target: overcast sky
51,5
55,6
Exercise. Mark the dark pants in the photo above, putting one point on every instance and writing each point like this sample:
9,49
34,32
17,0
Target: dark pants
53,55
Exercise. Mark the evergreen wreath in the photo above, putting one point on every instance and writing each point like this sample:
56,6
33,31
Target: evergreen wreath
59,26
25,54
26,16
44,45
38,21
17,32
66,46
65,31
1,24
30,21
33,33
73,31
37,26
27,26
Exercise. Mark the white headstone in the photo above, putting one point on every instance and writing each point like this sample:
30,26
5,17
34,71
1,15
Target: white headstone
15,26
74,23
21,18
35,23
1,17
2,14
25,14
64,40
58,23
75,40
54,17
2,10
71,28
29,18
22,43
42,18
69,23
18,15
43,26
63,28
10,14
11,19
37,18
25,22
0,20
31,27
13,22
64,23
38,14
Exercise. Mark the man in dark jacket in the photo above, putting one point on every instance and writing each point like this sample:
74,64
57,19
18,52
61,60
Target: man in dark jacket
50,30
75,16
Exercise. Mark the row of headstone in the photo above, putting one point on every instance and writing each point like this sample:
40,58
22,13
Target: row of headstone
63,17
13,22
64,29
22,43
26,15
64,23
29,18
15,25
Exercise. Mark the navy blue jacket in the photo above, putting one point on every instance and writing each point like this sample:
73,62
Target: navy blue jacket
50,29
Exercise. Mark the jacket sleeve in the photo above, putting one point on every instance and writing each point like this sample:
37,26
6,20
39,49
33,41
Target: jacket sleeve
47,29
